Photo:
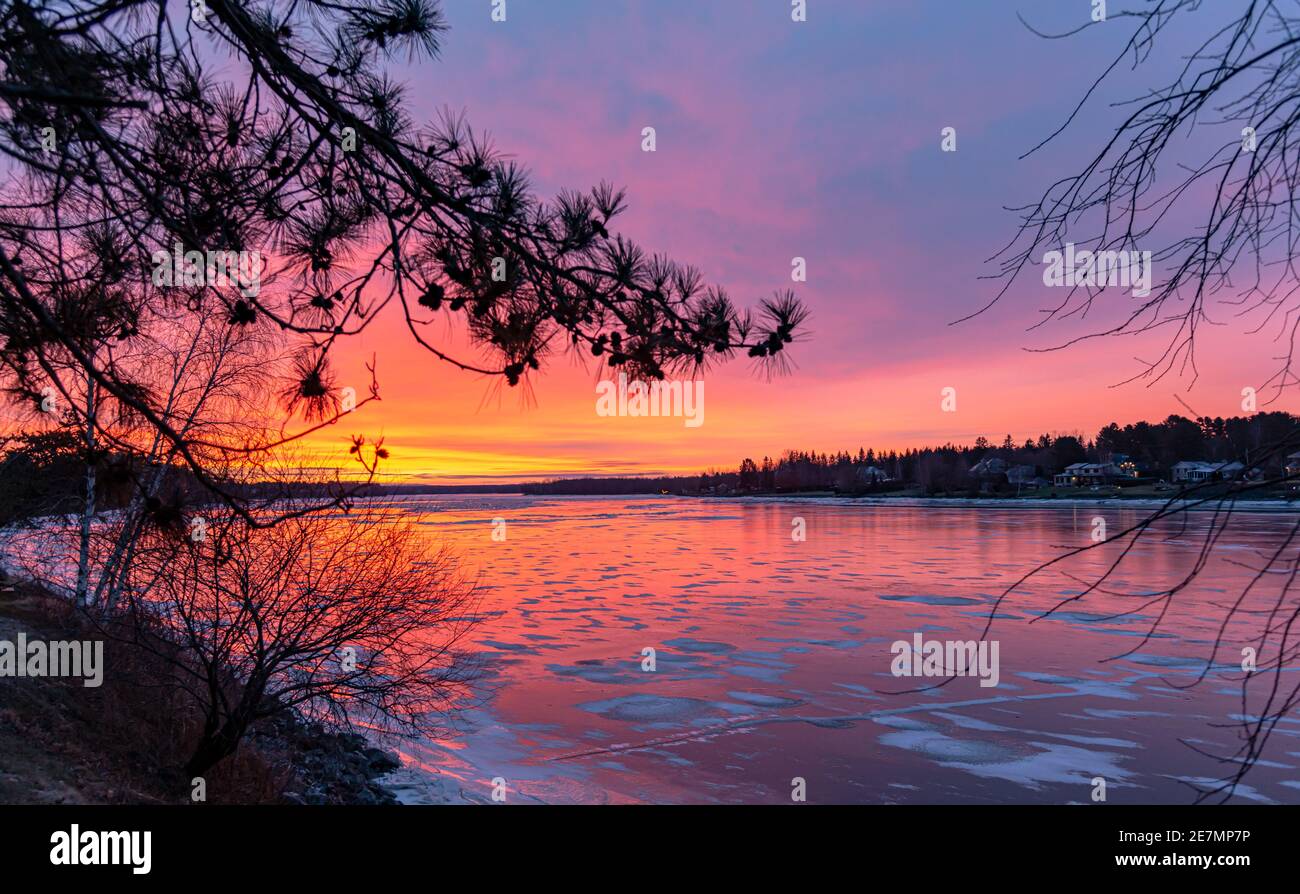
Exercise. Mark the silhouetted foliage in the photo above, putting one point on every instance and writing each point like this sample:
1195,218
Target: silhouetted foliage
1200,172
133,145
43,474
351,620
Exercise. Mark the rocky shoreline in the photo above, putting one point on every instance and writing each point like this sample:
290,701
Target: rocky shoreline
327,767
59,749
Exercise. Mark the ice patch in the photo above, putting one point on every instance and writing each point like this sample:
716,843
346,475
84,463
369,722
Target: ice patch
649,708
933,600
760,700
686,644
970,722
946,750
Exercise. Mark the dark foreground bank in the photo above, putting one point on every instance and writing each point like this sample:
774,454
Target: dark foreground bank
121,742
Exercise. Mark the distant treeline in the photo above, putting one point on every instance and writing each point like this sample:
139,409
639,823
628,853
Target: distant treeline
1153,447
45,473
580,486
401,489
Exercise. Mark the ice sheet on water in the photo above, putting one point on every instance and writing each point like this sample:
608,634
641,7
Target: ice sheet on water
771,659
763,700
974,723
733,623
903,722
1241,791
926,599
1174,661
687,644
1093,740
1049,678
1114,714
946,750
627,672
645,708
522,648
766,674
1032,765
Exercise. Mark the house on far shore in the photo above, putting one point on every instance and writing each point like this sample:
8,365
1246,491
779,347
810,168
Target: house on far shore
989,467
990,472
1293,464
1022,476
872,475
1084,474
1129,467
1193,471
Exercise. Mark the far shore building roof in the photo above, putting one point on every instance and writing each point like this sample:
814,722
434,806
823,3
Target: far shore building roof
1022,474
989,467
1087,473
1194,470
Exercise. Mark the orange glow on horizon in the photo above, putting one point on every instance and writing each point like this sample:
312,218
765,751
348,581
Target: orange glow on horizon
448,427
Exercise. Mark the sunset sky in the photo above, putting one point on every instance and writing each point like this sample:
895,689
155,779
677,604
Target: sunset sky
775,140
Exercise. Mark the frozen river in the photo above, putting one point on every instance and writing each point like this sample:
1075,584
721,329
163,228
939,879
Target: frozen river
693,650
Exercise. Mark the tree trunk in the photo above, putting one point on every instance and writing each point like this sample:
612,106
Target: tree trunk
214,747
88,508
220,741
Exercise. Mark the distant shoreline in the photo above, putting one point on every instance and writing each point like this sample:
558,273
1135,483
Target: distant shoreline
1274,503
1259,504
